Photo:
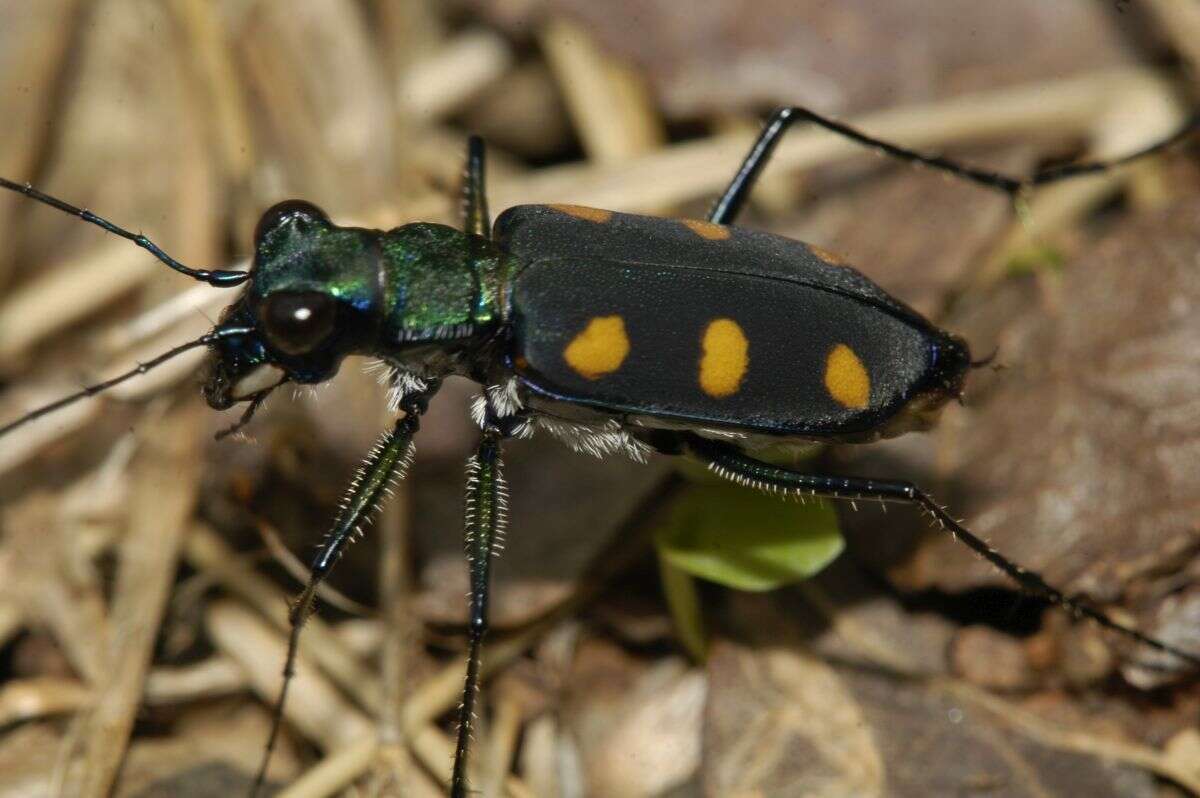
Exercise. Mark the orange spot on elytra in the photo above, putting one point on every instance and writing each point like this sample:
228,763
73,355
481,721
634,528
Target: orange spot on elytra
600,349
724,359
583,212
709,230
846,378
832,258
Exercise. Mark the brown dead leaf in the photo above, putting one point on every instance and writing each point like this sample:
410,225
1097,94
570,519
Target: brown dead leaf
1080,458
32,47
214,750
636,726
912,231
31,760
780,722
991,659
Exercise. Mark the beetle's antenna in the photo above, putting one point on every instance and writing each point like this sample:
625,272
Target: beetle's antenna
91,390
221,278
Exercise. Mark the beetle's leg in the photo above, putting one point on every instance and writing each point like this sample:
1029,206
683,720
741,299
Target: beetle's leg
726,209
731,463
386,464
474,197
486,514
730,204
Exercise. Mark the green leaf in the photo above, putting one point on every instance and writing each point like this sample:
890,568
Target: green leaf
747,540
683,599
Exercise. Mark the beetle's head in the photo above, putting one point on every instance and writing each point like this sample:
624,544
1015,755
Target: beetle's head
949,362
309,303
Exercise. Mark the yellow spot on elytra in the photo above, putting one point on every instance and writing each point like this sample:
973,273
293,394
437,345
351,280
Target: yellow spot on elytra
832,258
709,230
846,378
600,349
583,212
725,356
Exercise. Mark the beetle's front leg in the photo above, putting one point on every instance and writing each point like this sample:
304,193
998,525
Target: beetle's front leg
387,462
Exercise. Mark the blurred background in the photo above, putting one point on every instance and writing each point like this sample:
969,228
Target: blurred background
145,568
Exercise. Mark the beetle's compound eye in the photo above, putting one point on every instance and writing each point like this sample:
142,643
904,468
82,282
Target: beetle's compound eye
296,322
282,212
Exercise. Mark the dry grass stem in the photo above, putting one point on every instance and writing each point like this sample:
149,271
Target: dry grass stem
210,678
609,101
1180,22
166,480
448,79
28,699
504,731
314,705
1069,107
206,552
43,307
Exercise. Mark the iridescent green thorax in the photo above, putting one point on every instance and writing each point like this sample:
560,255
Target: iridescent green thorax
438,284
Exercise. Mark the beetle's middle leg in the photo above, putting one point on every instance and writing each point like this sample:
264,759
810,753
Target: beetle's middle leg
485,515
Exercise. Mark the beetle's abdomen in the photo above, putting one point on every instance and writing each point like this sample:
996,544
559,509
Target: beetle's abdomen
713,347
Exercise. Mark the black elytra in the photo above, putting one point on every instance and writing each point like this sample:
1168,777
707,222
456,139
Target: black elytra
681,336
792,309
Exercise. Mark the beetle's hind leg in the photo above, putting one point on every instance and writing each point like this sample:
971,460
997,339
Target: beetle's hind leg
727,208
474,193
729,462
485,519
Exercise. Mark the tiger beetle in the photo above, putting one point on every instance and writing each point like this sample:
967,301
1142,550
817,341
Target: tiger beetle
618,334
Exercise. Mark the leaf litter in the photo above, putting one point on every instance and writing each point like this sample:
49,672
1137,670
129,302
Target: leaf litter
1075,458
